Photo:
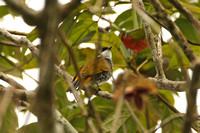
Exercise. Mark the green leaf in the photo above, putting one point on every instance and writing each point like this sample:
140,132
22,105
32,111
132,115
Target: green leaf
107,39
137,34
166,4
68,23
14,52
88,53
99,10
126,52
167,95
71,111
130,126
10,120
158,106
174,126
188,30
30,128
60,87
85,39
192,8
196,50
79,124
103,106
33,35
124,119
3,11
6,64
175,63
169,52
125,20
31,64
106,87
173,74
81,29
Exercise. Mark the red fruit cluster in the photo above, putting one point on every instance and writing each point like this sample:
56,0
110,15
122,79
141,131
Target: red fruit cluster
135,44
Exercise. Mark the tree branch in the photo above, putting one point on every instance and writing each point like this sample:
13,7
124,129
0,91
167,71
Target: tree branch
65,10
11,81
150,37
20,41
9,44
165,84
194,83
45,98
191,113
67,126
30,16
18,33
163,16
187,13
30,96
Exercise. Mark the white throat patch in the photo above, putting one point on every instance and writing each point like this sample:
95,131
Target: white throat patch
107,54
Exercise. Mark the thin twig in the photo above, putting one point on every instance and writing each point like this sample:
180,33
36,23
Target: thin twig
9,44
96,116
80,101
184,70
117,113
18,33
111,23
174,109
19,66
161,98
134,117
91,125
5,102
11,81
147,118
166,121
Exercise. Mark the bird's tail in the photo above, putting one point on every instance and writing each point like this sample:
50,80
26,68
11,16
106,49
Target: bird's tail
75,84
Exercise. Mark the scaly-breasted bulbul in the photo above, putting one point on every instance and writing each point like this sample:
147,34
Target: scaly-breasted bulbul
95,72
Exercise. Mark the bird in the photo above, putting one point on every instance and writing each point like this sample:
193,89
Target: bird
95,72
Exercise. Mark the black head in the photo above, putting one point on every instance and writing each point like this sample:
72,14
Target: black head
106,48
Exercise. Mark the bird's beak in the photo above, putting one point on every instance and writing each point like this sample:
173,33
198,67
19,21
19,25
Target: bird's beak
110,47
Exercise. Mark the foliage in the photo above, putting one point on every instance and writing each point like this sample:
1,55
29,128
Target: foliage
80,27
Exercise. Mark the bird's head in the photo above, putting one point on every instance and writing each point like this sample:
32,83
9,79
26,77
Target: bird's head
106,52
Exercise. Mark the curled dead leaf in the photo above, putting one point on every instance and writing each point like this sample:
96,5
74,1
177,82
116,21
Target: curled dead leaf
134,87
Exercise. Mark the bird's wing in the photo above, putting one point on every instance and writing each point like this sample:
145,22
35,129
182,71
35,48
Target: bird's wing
91,68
